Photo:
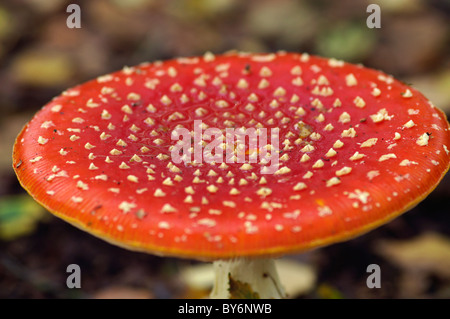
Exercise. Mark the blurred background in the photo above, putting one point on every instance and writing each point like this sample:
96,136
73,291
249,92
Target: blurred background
40,57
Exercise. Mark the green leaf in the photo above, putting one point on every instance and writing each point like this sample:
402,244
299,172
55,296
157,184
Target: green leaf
326,291
349,41
19,216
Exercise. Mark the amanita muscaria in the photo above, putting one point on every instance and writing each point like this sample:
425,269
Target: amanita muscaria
356,148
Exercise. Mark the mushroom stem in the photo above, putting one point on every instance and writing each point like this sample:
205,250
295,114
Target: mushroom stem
246,278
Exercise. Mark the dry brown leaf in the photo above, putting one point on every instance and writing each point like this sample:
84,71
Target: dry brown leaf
429,252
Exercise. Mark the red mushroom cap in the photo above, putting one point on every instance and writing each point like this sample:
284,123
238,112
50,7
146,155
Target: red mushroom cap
356,149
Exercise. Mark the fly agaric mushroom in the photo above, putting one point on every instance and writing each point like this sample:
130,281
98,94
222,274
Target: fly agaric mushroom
356,149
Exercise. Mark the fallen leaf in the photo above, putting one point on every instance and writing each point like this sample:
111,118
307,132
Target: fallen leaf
326,291
42,68
429,253
19,216
241,290
346,40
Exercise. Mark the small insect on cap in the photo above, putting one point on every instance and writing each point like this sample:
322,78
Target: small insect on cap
341,149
